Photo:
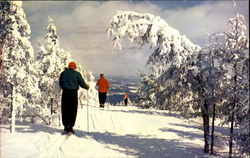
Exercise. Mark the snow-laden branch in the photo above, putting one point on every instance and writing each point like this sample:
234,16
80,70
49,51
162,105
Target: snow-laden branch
147,28
235,35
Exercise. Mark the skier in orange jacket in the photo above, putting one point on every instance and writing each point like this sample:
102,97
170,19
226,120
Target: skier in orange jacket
103,86
126,99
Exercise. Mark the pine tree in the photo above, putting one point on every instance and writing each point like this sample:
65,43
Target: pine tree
51,61
19,81
221,80
172,50
146,92
184,77
237,47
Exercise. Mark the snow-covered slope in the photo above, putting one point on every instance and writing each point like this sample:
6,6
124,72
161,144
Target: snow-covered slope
113,132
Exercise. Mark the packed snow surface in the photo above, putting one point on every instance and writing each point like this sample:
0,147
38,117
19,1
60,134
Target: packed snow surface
112,132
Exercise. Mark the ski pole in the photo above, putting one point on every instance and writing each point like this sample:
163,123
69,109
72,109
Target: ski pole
87,112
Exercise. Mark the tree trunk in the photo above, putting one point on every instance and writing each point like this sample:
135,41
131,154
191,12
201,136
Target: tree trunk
51,106
1,80
231,136
232,116
205,117
213,117
212,135
59,115
158,95
13,111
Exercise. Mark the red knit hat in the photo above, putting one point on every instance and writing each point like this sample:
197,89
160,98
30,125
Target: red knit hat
72,65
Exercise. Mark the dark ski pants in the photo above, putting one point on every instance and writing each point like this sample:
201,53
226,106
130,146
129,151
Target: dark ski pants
69,108
102,98
126,101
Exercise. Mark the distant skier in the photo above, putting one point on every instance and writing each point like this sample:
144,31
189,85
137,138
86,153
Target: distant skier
103,86
126,99
69,81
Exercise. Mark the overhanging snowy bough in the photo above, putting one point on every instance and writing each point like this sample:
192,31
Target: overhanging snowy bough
147,28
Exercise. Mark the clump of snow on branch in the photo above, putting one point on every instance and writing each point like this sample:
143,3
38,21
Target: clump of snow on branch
235,35
147,28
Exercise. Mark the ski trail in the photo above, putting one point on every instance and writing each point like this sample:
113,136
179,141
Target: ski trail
116,123
102,121
92,121
60,150
109,121
47,147
96,123
54,147
119,124
113,123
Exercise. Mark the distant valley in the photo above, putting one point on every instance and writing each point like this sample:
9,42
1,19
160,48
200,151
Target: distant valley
119,86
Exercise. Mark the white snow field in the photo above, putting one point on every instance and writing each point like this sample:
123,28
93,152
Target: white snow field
114,132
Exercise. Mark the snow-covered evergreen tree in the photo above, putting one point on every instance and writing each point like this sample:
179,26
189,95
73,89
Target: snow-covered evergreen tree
19,81
51,61
146,92
205,79
237,57
172,50
89,97
186,78
218,77
82,94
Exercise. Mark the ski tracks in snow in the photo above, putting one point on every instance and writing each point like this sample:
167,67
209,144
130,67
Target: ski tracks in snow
54,149
113,132
104,120
96,119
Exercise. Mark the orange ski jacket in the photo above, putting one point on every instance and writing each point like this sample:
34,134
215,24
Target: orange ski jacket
103,85
126,96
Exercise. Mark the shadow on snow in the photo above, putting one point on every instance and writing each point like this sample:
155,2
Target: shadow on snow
147,112
34,128
130,145
186,134
219,129
144,146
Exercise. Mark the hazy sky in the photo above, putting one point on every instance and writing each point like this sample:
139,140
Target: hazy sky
81,27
